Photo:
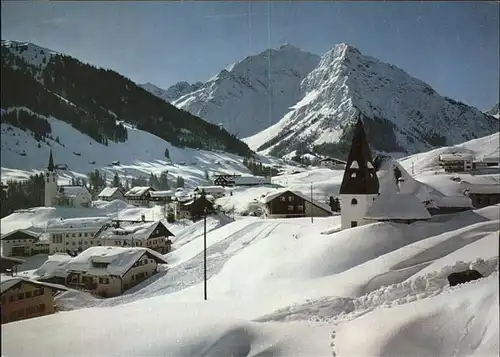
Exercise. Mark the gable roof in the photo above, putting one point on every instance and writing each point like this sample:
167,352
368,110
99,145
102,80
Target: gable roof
77,223
73,191
318,204
119,260
124,229
10,283
35,235
397,206
360,177
138,191
109,191
166,193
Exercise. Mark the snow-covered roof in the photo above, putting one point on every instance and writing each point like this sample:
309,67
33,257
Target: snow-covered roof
493,157
491,188
248,180
278,193
452,201
82,223
55,265
137,230
459,156
167,193
7,284
108,192
119,260
210,189
137,191
26,231
397,206
73,191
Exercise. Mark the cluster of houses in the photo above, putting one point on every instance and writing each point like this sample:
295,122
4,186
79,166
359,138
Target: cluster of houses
466,162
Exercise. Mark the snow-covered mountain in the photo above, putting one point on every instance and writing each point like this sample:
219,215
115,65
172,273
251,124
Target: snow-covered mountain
33,54
172,93
253,94
401,113
495,111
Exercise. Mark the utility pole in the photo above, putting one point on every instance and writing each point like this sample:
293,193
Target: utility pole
311,204
205,255
413,168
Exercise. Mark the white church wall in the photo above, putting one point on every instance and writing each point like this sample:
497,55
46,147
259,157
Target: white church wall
355,212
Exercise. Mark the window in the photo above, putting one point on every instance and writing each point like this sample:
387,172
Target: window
21,296
290,208
73,235
85,234
28,294
290,198
282,198
79,234
354,201
103,280
91,242
354,224
300,208
353,175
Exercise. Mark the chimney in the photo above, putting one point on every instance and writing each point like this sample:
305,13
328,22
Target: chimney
143,217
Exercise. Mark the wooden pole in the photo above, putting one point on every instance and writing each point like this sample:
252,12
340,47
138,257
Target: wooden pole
205,255
311,204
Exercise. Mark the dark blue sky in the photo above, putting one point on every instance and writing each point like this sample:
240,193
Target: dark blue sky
452,46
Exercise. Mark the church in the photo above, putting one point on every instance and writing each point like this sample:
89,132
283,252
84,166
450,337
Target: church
360,199
65,195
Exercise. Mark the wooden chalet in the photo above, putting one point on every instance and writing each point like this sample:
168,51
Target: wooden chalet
290,204
139,196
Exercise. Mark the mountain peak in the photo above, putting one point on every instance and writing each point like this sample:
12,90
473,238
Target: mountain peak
288,47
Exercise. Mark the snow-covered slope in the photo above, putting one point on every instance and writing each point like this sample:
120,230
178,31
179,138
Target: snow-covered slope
495,111
282,288
35,55
401,113
250,95
141,154
172,93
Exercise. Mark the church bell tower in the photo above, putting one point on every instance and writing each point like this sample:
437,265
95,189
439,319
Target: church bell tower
360,185
50,183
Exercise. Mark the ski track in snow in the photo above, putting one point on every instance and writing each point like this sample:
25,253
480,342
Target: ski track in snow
190,272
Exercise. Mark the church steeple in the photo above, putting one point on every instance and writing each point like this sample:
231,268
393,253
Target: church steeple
51,162
360,177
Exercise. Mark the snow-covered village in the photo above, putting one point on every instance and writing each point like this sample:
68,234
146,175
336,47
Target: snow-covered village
293,204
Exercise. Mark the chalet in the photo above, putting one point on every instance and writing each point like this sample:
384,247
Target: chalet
74,234
139,196
161,196
110,271
19,243
251,181
215,191
456,162
397,208
482,194
225,179
331,163
111,193
196,208
73,196
23,298
152,235
290,204
9,264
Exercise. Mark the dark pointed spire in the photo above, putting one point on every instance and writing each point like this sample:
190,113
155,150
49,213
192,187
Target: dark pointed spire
360,177
51,162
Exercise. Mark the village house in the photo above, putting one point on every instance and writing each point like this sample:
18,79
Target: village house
161,197
111,194
448,204
456,162
110,271
23,298
290,204
139,196
74,234
252,181
483,193
193,207
397,208
152,235
214,191
73,196
332,163
19,243
9,265
225,179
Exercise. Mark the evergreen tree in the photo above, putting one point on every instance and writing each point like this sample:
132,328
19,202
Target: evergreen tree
116,180
180,182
